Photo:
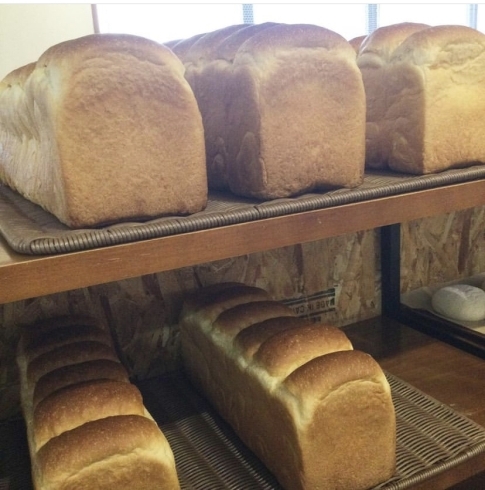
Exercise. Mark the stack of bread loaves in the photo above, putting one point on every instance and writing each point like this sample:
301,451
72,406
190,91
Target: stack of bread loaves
318,413
283,108
103,128
425,89
87,426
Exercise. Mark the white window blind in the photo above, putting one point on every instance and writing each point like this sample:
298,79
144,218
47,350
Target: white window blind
166,22
432,14
349,20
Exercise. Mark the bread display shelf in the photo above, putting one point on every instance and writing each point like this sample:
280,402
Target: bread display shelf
246,228
421,300
432,438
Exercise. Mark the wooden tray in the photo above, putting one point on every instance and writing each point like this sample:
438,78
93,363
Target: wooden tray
28,229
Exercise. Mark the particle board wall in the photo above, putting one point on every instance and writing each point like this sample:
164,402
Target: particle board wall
443,248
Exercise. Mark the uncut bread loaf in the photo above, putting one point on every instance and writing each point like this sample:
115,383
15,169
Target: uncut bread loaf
87,426
103,128
316,412
373,59
283,108
425,97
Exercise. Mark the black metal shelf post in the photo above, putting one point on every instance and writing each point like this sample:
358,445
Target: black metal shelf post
392,307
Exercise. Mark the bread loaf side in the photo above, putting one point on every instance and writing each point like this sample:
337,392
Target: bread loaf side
283,108
425,97
373,60
87,426
103,128
317,413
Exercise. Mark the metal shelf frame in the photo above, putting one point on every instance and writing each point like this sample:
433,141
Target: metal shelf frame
392,307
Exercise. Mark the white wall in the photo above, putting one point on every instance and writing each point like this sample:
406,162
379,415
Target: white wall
27,30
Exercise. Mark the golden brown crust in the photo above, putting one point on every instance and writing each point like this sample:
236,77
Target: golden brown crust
284,36
77,373
83,402
229,48
203,49
373,60
96,450
87,426
266,93
57,337
230,322
120,135
183,45
293,391
441,44
379,46
250,339
422,83
293,73
345,386
73,353
323,374
213,300
207,58
286,351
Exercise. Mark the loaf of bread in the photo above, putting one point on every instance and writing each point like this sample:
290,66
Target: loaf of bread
283,108
103,128
87,426
462,302
374,61
316,412
425,97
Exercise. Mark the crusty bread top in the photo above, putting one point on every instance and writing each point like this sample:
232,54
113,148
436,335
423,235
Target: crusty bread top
203,49
77,373
87,424
250,79
379,46
77,404
292,368
83,170
92,45
73,353
94,441
62,336
286,351
180,48
228,48
280,37
444,45
211,301
231,321
251,338
323,374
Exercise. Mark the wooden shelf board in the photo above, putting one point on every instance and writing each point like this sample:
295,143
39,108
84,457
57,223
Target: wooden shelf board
23,276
